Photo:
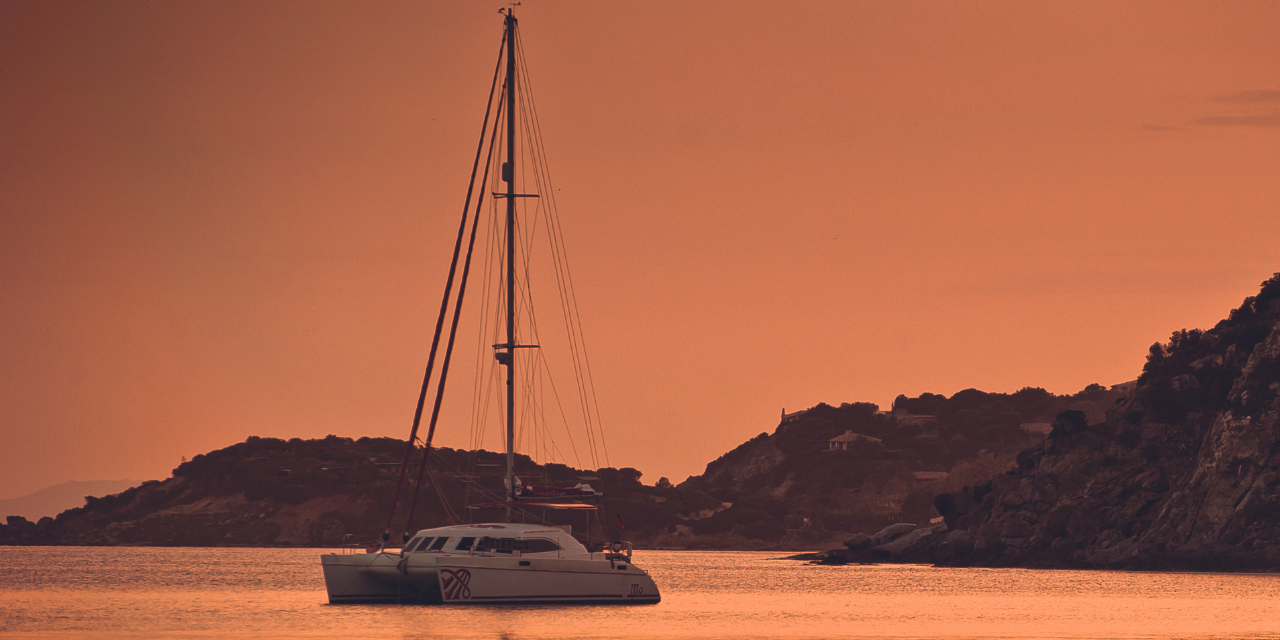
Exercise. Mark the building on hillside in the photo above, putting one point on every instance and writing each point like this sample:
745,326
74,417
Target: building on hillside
1125,387
792,417
841,442
1037,428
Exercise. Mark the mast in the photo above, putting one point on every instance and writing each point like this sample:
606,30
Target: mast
509,174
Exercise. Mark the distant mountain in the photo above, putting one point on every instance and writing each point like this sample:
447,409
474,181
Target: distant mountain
51,501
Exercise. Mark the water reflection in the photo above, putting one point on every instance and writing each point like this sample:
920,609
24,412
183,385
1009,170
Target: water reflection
279,593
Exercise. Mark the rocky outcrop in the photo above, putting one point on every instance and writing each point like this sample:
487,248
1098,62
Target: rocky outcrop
901,542
892,532
1183,473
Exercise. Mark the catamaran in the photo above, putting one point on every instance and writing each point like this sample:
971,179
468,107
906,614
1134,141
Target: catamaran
522,558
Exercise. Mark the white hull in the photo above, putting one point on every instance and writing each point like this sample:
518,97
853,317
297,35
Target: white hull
426,579
486,578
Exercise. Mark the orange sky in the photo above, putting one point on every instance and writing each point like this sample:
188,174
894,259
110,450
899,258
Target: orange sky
233,218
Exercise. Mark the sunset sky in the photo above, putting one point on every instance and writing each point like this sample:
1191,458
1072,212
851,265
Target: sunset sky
223,219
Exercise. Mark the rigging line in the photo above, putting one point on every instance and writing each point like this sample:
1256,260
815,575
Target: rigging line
528,420
547,437
533,404
486,275
577,345
541,373
485,383
531,407
543,431
528,85
564,419
453,334
494,381
553,220
486,368
495,259
542,179
527,299
525,238
444,303
479,396
537,430
528,406
448,510
583,400
483,422
547,369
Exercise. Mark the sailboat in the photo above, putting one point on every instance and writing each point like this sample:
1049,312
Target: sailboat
512,560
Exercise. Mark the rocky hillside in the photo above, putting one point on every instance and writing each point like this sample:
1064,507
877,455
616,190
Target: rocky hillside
266,491
1182,473
827,472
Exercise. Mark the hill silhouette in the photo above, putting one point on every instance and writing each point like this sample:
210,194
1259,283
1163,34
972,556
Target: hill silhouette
788,489
829,471
1179,469
1182,473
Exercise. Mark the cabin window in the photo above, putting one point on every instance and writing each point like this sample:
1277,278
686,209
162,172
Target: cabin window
439,543
465,544
540,545
509,545
422,544
412,544
502,545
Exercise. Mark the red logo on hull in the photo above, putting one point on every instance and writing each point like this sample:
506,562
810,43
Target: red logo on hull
454,584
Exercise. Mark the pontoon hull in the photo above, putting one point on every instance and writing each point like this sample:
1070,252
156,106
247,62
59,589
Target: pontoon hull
471,579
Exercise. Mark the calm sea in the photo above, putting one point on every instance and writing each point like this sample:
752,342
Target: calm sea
100,592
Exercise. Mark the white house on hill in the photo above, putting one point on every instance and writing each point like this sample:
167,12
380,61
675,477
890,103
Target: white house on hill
841,442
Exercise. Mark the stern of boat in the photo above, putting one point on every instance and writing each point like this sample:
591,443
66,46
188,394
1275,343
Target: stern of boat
377,578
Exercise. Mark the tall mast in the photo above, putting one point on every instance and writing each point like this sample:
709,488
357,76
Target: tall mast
509,174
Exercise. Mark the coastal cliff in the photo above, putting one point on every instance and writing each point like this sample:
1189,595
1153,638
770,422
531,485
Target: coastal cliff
1183,473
